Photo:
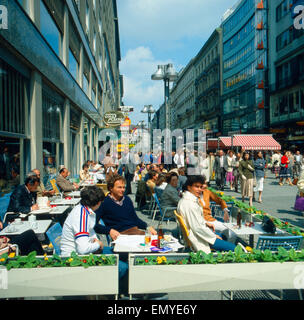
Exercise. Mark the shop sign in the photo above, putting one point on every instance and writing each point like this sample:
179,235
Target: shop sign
113,118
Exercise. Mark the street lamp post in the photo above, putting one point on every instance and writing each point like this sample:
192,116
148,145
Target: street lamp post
166,73
149,110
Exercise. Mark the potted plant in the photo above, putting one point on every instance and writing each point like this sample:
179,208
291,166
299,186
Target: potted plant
30,276
256,270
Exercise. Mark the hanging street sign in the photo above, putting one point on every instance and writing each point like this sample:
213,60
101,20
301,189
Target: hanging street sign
113,118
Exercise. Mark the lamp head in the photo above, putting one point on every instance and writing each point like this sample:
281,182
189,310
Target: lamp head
159,74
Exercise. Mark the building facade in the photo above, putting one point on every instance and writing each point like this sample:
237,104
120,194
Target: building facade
245,102
286,75
208,85
182,101
59,72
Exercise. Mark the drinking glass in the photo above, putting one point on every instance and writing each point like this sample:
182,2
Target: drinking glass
147,238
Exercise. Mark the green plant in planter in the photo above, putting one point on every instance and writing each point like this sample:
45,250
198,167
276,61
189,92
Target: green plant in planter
32,261
238,256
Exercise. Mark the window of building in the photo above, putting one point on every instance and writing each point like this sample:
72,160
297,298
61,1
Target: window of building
12,99
49,163
100,26
49,30
73,65
51,118
94,42
85,84
9,164
87,18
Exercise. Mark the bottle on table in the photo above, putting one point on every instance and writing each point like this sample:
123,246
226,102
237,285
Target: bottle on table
239,219
160,237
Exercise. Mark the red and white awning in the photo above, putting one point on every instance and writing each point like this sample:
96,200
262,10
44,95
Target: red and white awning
226,141
256,142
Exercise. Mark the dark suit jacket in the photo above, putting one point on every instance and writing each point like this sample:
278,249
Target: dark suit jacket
217,164
21,200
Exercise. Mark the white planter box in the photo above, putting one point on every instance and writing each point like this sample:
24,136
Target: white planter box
61,281
210,277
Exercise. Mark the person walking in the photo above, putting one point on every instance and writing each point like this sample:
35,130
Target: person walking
235,171
275,161
220,168
246,170
259,166
230,161
204,166
298,159
290,168
284,174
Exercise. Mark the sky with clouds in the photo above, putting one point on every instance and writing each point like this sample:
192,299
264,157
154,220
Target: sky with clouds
154,32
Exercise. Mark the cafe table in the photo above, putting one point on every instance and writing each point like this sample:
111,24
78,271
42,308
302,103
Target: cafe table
65,202
136,243
251,231
15,228
74,194
87,183
56,210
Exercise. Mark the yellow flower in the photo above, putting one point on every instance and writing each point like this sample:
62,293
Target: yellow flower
70,260
12,255
164,258
2,260
159,260
249,249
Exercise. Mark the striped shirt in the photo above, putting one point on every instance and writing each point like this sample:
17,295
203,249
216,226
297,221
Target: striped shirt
78,232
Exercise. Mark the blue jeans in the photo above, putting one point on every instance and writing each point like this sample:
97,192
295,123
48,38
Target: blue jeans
222,245
122,266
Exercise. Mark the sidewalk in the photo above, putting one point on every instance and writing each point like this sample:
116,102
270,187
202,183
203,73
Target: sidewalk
277,200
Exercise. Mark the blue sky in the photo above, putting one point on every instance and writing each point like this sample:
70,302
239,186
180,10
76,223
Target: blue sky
154,32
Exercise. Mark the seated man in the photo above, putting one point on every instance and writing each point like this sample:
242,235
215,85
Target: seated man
78,233
41,192
170,196
208,195
201,232
63,183
118,213
23,199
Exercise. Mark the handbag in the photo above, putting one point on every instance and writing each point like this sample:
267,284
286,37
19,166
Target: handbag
295,181
299,203
268,225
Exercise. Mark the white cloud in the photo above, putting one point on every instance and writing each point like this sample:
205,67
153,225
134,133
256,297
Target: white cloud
137,66
151,31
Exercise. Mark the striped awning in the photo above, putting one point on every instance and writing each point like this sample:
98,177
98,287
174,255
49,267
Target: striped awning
256,142
227,141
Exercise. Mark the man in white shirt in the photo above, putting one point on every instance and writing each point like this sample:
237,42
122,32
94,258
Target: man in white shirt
78,233
298,164
201,232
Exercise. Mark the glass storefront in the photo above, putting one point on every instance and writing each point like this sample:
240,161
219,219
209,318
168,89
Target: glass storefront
13,103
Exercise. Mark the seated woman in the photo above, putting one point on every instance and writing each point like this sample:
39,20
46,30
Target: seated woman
84,173
201,232
153,176
160,185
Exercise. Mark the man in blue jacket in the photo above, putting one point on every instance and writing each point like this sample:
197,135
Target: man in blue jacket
118,213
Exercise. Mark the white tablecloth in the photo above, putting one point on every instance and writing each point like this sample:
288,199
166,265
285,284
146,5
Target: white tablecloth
132,243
